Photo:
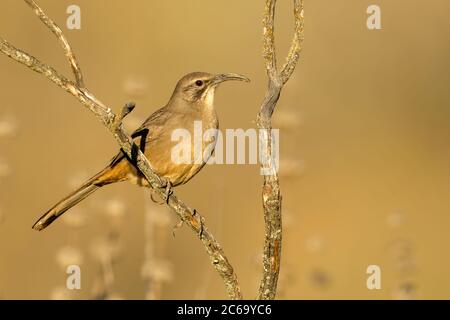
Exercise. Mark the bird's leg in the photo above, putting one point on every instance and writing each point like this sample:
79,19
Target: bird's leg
168,191
143,132
155,200
195,213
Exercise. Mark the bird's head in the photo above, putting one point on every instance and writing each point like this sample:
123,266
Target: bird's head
199,87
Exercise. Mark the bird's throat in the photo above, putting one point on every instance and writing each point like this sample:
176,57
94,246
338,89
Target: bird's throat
208,97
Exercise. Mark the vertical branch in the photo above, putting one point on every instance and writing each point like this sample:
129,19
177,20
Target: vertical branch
271,194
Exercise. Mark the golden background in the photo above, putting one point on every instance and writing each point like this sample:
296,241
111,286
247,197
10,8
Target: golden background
364,136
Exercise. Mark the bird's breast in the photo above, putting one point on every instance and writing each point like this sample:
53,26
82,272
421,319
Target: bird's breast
189,137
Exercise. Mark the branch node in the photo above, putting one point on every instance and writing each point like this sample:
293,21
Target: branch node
126,110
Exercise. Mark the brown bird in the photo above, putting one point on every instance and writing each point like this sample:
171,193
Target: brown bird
192,100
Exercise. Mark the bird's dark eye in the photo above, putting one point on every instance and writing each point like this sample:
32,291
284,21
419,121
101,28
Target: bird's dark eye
199,83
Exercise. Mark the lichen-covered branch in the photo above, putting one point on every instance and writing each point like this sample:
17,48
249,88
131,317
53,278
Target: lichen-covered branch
113,123
271,194
62,39
296,46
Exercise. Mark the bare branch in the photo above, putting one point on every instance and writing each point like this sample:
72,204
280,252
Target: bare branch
62,39
296,47
35,65
191,217
126,110
271,194
269,53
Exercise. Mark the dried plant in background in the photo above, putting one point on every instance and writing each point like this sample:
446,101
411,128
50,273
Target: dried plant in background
65,256
8,126
156,270
8,130
69,254
287,120
402,251
404,264
271,191
106,250
204,283
5,169
136,86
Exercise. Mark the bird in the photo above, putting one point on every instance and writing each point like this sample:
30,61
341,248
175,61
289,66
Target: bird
192,100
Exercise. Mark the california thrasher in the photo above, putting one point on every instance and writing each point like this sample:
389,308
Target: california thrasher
192,100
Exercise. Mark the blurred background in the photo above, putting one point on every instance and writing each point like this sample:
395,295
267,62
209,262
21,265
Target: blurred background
365,151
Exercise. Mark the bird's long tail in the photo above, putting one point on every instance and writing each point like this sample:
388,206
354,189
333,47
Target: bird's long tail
72,199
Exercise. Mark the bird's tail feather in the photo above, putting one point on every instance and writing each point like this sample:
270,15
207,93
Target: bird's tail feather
69,201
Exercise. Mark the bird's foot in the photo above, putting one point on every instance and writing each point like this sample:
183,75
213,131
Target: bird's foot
200,218
168,191
156,200
164,198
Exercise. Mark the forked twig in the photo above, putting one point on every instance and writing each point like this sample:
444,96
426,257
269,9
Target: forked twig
62,39
271,194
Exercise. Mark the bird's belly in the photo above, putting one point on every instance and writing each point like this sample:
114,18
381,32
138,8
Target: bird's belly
179,173
164,166
160,151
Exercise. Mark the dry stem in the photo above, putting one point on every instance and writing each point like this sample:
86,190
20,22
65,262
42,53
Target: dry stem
271,194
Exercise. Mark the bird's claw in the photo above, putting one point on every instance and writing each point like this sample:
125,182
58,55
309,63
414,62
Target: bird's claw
195,213
168,191
165,196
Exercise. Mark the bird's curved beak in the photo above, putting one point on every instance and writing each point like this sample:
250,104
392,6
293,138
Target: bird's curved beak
229,77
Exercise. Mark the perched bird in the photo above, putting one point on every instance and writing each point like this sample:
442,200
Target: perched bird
191,101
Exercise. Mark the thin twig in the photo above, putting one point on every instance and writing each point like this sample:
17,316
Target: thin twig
126,110
108,118
62,39
296,46
271,194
